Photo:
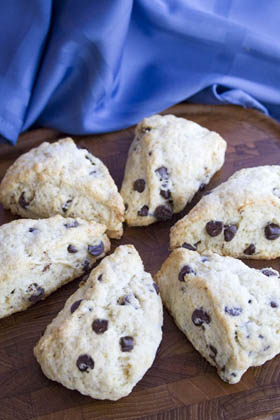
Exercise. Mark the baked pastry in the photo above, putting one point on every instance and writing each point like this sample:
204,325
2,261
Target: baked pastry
169,160
60,178
229,312
106,336
39,256
240,218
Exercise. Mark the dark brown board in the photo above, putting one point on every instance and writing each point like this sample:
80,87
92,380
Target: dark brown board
180,384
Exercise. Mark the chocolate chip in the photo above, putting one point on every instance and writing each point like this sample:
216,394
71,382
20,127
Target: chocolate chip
13,291
185,270
22,201
90,158
123,300
99,278
75,305
93,172
261,336
156,288
189,246
125,206
139,185
202,186
71,225
204,258
32,229
163,213
127,343
250,250
66,205
233,374
165,194
214,228
162,172
84,362
99,326
214,352
46,268
146,129
266,348
72,249
199,317
96,250
86,266
143,211
37,292
273,304
223,369
150,153
234,311
268,272
272,231
250,301
229,232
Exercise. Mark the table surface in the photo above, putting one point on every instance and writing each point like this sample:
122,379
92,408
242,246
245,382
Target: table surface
180,384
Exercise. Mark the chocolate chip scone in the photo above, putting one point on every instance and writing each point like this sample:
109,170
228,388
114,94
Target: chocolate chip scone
60,178
169,160
229,312
239,218
106,336
39,256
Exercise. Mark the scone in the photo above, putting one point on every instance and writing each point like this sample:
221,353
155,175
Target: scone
239,218
39,256
106,336
229,312
169,160
60,178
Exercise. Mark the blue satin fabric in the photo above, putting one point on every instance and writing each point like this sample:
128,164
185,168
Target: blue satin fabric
85,66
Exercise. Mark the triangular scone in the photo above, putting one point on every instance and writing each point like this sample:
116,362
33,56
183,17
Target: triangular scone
229,312
169,159
240,218
39,256
60,178
106,336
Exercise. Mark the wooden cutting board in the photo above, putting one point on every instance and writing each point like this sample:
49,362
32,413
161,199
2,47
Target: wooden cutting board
180,384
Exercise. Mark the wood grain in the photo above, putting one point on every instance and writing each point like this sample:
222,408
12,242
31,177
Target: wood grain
180,384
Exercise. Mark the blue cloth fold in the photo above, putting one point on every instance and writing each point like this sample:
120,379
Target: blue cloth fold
96,66
218,95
